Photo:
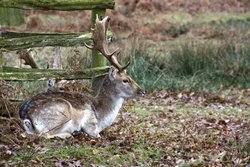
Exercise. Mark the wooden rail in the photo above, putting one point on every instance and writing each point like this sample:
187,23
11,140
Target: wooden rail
27,74
66,5
13,41
42,40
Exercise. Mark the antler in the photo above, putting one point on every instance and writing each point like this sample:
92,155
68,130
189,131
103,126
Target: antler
101,43
113,60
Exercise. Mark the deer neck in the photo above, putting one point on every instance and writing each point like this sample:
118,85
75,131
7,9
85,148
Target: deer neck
107,107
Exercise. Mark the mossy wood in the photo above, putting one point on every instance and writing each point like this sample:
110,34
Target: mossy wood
10,35
24,41
26,74
11,17
14,41
67,5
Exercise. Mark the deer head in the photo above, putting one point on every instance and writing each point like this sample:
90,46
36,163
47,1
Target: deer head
101,44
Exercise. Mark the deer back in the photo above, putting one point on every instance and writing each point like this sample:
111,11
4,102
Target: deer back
51,110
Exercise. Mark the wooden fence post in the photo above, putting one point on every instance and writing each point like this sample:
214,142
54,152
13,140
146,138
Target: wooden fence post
11,17
97,59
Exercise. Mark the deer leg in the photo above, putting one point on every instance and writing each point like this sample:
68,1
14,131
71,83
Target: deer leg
92,130
60,135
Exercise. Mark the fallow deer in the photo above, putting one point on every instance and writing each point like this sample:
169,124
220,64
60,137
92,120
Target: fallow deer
60,113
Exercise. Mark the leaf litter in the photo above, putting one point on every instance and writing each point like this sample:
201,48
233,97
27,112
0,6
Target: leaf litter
163,129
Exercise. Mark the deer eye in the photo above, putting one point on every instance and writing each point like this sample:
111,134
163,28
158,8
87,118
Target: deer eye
125,81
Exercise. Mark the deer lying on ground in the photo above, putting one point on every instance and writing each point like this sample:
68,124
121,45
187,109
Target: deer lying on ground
61,114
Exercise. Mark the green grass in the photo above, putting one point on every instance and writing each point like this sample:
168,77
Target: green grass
182,18
238,24
141,112
108,155
202,66
223,17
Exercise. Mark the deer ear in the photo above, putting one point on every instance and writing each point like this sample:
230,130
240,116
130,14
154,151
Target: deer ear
112,73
